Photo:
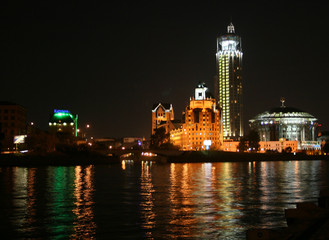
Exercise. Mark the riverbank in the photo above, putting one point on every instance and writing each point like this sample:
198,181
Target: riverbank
88,158
219,156
56,159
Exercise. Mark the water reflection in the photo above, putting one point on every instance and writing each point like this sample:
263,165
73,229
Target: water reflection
202,199
162,201
43,202
147,200
84,225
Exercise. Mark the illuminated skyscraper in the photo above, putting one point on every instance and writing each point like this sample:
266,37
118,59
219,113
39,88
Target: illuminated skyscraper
229,83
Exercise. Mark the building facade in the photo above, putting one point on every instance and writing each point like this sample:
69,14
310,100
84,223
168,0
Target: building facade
12,123
286,123
64,124
162,115
228,85
264,146
201,127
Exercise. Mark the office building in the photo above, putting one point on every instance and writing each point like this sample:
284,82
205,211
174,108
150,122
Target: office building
201,128
12,123
63,123
162,116
228,84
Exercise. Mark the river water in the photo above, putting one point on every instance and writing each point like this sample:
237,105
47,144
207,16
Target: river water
146,200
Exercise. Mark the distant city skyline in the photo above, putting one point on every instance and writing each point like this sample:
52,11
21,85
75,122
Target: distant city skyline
109,63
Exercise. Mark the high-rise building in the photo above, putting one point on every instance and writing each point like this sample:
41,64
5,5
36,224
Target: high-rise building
229,83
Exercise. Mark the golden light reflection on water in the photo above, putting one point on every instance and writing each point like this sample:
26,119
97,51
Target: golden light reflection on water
147,200
201,197
84,225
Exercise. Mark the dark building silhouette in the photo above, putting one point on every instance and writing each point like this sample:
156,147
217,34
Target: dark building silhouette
12,123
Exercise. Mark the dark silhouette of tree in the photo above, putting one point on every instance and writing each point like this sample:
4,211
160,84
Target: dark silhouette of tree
2,136
160,137
253,139
41,141
325,147
287,150
243,144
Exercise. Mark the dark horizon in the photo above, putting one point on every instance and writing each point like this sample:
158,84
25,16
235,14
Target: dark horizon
110,63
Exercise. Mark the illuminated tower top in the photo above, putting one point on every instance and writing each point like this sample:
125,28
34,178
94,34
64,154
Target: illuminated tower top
202,92
282,100
229,41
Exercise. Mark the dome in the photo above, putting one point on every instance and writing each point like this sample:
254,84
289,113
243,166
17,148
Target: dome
289,123
284,112
61,116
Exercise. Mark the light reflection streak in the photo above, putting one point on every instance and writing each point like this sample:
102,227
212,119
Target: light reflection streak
123,165
147,201
84,225
196,201
58,194
20,176
31,196
202,199
126,164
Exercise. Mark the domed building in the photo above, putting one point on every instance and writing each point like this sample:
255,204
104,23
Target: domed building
286,123
62,122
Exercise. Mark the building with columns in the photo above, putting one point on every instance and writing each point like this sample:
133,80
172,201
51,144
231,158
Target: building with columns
286,123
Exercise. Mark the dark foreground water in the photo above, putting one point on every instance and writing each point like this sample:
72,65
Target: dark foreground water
149,200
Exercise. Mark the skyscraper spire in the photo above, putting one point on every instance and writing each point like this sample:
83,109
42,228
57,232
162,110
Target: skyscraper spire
282,100
230,28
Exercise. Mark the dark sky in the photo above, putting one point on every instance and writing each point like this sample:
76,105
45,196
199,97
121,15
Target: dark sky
110,63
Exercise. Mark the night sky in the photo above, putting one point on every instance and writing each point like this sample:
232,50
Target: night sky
111,63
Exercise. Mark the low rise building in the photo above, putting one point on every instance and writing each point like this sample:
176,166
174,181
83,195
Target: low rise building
230,146
278,146
265,146
286,123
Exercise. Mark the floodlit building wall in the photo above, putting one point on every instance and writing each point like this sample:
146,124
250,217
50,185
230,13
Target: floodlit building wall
161,115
